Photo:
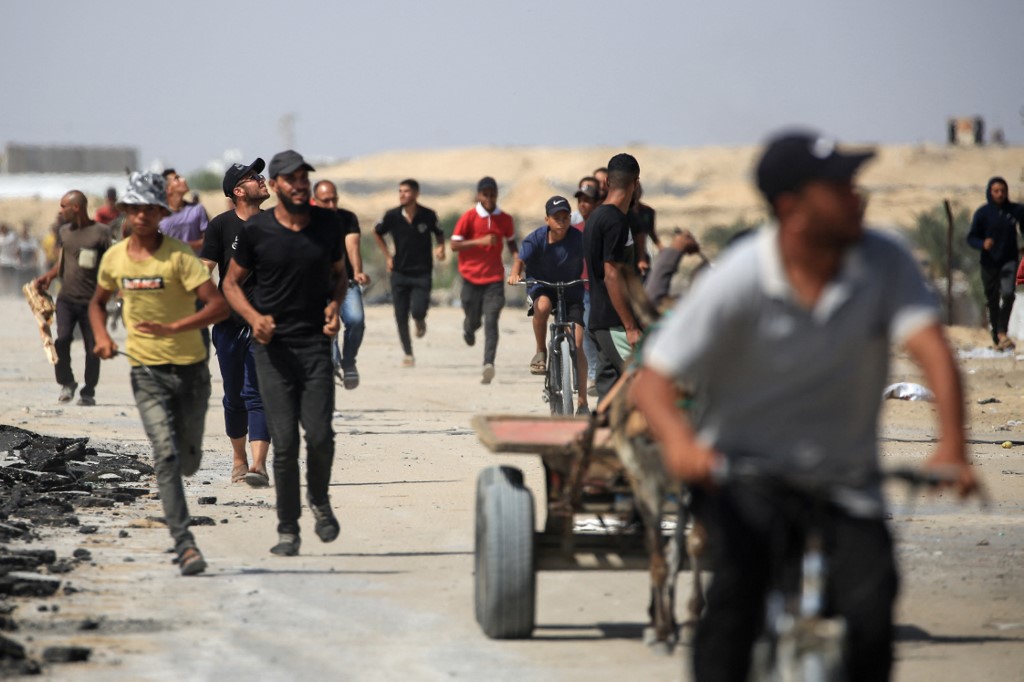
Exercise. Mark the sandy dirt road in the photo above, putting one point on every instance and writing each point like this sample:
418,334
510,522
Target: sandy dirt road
392,598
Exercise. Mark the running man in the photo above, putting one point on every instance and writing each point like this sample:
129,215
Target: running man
159,280
411,266
325,195
82,244
232,338
297,254
785,344
554,253
478,238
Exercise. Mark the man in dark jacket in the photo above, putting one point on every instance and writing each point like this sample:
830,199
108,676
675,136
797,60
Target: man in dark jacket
994,233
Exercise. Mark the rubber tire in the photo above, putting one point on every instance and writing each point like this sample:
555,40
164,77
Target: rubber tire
505,583
554,377
566,393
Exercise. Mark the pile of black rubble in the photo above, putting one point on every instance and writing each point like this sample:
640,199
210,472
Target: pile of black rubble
44,482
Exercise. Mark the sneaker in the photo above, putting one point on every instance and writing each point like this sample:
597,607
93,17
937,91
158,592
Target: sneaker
67,392
469,337
488,374
86,400
408,361
327,526
583,411
287,544
350,378
421,329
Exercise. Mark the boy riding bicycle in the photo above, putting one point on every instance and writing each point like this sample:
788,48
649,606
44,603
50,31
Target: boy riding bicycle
554,252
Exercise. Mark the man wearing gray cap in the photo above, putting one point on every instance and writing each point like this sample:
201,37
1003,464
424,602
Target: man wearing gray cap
160,280
785,347
297,254
232,338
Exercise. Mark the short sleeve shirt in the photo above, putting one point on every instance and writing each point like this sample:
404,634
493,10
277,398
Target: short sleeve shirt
606,239
293,269
561,261
413,246
350,225
219,246
483,264
82,248
792,388
158,289
186,225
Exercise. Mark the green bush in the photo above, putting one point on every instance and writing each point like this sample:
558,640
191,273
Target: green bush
205,181
930,235
716,237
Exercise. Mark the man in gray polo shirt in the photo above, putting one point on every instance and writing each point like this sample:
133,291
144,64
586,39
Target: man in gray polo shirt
785,345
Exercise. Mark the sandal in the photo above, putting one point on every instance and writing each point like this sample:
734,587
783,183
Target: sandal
238,473
257,479
191,561
539,363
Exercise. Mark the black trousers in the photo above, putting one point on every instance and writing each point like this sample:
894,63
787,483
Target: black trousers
743,527
68,316
296,379
999,285
410,294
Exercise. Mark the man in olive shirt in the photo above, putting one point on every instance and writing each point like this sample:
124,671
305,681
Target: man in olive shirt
83,243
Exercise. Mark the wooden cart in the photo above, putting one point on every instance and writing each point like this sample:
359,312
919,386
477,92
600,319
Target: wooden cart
590,522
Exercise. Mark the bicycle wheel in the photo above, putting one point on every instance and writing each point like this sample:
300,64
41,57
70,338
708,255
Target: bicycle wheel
565,355
554,380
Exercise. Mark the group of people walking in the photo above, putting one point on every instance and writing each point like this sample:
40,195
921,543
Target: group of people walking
784,346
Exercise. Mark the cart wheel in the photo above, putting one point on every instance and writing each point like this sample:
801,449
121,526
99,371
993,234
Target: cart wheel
505,584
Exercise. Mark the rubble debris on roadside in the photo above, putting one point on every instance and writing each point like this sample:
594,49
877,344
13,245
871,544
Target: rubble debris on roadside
44,481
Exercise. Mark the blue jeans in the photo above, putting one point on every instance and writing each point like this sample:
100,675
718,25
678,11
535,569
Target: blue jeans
354,319
243,406
297,382
172,402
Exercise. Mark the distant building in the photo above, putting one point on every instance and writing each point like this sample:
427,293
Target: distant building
28,158
966,131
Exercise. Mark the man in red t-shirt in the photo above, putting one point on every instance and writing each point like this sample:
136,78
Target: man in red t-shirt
108,212
477,240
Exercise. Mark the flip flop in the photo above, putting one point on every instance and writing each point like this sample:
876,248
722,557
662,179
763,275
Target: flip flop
238,473
539,363
257,479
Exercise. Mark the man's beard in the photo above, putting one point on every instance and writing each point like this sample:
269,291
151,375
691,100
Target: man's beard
300,208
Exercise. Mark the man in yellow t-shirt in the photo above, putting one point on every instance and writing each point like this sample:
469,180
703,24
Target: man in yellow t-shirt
160,279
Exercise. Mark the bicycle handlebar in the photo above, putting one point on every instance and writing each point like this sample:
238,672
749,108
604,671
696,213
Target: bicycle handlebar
556,285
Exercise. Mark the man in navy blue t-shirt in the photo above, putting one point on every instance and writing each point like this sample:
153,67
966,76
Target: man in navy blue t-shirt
554,253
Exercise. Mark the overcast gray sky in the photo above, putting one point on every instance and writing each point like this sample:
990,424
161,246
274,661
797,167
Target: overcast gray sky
186,80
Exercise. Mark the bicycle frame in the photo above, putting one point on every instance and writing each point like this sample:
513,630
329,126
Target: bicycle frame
561,330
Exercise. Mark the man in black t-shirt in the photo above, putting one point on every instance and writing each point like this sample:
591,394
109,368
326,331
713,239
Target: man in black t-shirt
410,226
296,252
641,223
325,195
232,338
608,245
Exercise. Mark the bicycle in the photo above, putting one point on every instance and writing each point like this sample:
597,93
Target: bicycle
800,639
560,380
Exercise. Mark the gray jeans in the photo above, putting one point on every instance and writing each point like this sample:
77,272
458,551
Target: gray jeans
172,401
483,301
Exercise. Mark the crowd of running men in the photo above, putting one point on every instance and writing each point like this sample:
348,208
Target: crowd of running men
784,345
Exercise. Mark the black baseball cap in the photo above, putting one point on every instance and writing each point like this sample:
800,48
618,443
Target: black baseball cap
556,204
588,190
237,171
486,182
793,158
286,162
